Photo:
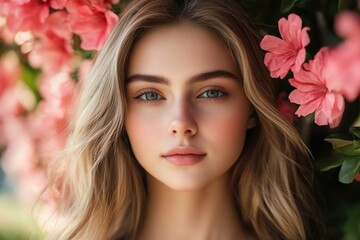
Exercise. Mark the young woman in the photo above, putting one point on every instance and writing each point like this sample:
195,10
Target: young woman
176,135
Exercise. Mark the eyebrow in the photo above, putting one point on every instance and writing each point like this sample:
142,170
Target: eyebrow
197,78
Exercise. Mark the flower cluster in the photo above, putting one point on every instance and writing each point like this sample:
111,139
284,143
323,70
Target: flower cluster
44,47
323,83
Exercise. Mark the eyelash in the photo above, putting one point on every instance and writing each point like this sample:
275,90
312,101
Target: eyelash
142,95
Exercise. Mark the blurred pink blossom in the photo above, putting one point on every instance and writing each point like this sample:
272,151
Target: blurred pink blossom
20,157
344,61
30,186
52,54
10,104
27,15
91,22
10,108
314,94
9,71
289,52
53,113
6,34
58,24
21,161
286,108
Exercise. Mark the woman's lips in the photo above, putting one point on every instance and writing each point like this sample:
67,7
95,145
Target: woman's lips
184,156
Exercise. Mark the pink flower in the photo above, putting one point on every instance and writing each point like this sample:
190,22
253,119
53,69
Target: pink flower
11,108
52,54
286,108
20,155
289,52
6,35
343,69
51,118
9,71
31,14
91,22
314,94
58,24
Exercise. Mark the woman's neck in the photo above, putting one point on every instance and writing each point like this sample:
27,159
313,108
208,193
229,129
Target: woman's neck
208,213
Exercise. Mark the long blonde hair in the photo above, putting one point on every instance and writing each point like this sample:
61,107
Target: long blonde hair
103,193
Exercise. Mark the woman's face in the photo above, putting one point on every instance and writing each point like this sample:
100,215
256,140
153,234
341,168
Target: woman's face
187,113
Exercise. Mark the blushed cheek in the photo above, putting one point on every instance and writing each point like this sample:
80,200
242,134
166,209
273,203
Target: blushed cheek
142,131
230,130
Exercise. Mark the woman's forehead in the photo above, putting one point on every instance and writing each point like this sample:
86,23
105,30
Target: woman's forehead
182,48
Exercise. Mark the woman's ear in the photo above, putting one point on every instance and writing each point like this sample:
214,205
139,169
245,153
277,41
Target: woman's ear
252,121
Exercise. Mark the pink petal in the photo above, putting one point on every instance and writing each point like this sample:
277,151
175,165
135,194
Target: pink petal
301,98
331,110
289,28
44,13
300,59
305,39
318,64
306,109
273,44
347,24
58,23
306,87
308,77
276,65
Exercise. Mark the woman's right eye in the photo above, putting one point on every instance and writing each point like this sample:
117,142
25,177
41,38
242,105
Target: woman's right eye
149,96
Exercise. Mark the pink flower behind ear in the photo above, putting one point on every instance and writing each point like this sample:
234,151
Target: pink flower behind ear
289,52
314,94
92,23
343,67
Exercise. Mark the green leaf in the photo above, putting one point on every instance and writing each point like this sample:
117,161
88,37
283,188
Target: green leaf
357,144
350,150
338,143
287,5
344,136
349,169
326,164
355,131
351,224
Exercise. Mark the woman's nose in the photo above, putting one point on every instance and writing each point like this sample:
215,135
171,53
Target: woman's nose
182,121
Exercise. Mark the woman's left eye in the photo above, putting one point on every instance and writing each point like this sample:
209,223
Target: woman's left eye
212,93
149,96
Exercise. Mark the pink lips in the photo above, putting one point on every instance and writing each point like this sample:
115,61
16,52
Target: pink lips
184,156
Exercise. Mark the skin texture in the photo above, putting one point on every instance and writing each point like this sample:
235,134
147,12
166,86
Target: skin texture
172,104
